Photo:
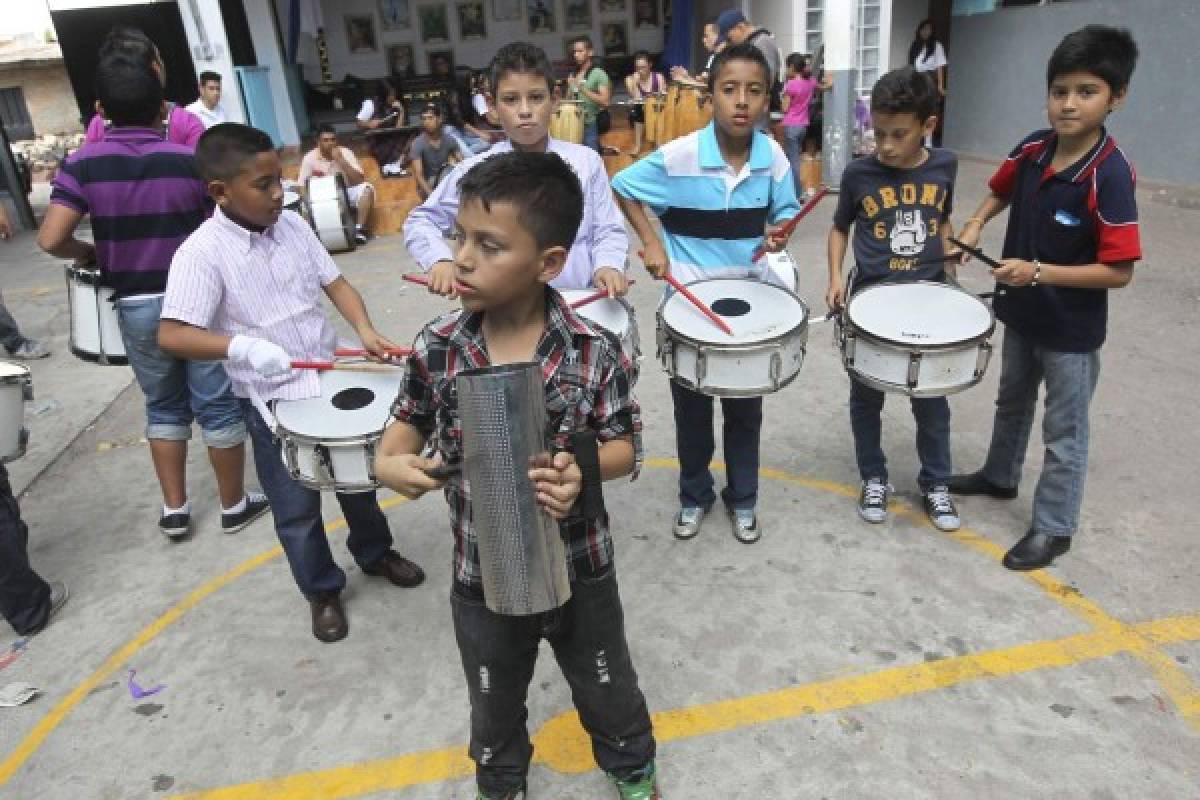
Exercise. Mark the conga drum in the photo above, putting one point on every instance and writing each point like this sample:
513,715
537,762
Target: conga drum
652,109
689,108
567,122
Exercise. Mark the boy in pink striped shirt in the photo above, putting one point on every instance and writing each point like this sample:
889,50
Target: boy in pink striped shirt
246,287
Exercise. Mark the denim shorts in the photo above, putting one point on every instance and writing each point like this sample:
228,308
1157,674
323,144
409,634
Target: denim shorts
177,391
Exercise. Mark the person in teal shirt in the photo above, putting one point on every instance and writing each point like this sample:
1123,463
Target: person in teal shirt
590,85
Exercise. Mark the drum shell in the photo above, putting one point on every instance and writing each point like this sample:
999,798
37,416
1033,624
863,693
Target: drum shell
688,109
15,389
652,109
329,212
603,313
95,332
522,556
567,122
344,465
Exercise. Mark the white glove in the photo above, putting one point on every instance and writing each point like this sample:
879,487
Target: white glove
266,358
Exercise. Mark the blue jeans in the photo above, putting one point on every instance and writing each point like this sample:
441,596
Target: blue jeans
932,415
591,136
793,139
742,418
177,391
24,596
587,635
1070,380
298,523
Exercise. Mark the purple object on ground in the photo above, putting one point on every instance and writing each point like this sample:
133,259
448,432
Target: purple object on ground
137,692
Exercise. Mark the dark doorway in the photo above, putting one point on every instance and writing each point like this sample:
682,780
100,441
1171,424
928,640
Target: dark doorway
237,30
14,114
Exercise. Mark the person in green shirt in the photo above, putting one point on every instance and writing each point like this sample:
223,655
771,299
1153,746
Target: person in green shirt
589,85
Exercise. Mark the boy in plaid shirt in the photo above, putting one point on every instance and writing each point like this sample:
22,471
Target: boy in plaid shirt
518,217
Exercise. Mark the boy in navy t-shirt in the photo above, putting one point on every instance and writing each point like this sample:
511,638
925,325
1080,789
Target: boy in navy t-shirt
1072,235
899,203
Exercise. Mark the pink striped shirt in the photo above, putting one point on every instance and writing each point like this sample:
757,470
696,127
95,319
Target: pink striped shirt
267,285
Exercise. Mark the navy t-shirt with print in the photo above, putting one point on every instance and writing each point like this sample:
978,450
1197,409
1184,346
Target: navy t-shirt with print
897,216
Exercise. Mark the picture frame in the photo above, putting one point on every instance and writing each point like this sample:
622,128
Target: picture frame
471,23
401,61
434,24
577,15
615,38
645,14
607,6
504,10
441,62
360,33
540,16
395,15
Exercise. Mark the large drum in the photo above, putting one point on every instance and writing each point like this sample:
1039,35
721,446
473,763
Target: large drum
764,354
652,110
567,122
329,441
615,316
922,339
331,215
16,386
688,108
294,201
95,334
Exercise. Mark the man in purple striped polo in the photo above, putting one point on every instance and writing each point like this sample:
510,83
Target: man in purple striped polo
145,197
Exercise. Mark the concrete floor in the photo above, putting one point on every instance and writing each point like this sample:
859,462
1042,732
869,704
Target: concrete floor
831,660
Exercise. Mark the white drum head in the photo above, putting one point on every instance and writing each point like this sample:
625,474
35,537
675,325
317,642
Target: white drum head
607,313
756,311
919,313
11,370
351,404
321,188
782,270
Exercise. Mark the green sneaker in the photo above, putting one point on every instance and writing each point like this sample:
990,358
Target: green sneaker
643,788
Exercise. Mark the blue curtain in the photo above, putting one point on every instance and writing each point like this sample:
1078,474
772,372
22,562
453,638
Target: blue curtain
677,50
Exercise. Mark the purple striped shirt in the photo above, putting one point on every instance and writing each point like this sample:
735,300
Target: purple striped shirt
144,197
267,285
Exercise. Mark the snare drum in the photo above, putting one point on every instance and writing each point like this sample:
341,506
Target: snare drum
95,334
770,331
16,386
329,441
331,215
567,123
615,316
923,339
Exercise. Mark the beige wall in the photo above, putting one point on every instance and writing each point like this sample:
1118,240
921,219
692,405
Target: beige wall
48,95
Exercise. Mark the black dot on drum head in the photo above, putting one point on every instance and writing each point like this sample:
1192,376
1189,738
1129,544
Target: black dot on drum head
731,307
353,399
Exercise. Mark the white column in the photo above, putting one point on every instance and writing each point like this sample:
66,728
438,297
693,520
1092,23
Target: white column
841,34
268,53
205,29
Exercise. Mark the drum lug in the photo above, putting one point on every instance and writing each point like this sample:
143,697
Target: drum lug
27,391
291,459
370,448
914,369
323,464
776,370
985,355
701,367
666,352
847,341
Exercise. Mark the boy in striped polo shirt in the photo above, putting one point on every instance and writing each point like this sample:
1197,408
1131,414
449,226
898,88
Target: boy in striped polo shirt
145,197
715,191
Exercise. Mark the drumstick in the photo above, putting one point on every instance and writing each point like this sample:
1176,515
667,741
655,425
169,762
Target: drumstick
414,278
975,251
599,294
358,351
791,224
347,366
696,301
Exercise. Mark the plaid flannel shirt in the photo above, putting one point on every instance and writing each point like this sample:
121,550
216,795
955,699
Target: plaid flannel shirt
589,386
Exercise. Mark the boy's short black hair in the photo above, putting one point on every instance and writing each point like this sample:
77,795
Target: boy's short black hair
738,52
1108,53
209,75
583,37
326,127
225,148
521,57
129,91
543,188
130,42
905,90
433,108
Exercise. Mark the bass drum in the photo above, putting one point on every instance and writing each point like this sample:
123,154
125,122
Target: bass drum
331,215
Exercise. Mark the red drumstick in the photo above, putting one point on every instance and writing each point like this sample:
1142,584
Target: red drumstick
414,278
696,301
599,294
342,365
791,224
359,351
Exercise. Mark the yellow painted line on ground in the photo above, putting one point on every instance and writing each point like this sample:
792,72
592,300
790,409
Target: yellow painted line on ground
30,744
562,745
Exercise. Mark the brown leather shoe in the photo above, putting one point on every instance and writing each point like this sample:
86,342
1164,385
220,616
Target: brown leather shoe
397,569
328,618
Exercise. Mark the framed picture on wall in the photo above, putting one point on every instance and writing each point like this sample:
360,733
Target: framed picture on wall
434,24
394,15
577,15
645,13
616,38
503,10
540,14
400,60
441,63
360,33
611,5
471,24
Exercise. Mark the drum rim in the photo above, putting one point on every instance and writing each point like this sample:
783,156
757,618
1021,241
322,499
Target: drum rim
284,432
85,275
909,347
899,388
744,392
25,375
735,346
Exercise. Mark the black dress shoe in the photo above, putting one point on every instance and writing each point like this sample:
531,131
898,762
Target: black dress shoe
397,569
328,618
1036,550
975,483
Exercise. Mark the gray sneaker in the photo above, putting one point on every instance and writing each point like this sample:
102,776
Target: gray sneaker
745,525
29,350
941,510
59,593
687,522
873,501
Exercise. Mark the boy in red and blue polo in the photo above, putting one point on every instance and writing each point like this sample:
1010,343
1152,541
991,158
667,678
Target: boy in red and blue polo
1072,235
